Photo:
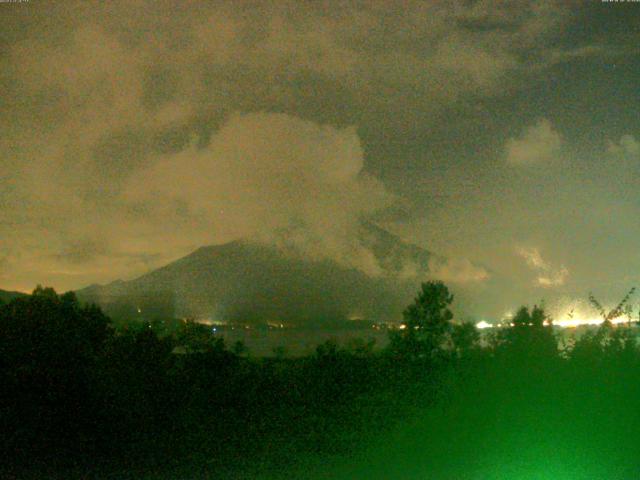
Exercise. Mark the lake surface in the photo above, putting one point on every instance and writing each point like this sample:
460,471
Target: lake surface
297,342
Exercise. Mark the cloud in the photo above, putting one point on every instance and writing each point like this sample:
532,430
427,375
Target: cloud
102,99
561,55
457,270
533,258
628,146
556,278
161,67
272,177
539,143
547,274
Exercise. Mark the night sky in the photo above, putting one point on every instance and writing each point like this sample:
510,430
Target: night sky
504,135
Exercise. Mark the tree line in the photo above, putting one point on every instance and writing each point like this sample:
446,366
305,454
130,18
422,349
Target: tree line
79,395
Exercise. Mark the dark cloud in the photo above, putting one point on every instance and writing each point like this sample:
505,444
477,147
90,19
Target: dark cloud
134,132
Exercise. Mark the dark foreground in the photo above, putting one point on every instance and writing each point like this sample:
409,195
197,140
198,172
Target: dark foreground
80,400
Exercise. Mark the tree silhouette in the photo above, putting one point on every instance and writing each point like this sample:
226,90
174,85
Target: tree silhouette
239,348
49,347
427,322
620,309
465,337
530,336
196,337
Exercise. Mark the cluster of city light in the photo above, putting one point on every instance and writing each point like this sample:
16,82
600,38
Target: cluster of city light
577,322
482,324
569,321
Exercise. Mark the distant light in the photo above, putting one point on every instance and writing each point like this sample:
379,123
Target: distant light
577,321
403,326
482,325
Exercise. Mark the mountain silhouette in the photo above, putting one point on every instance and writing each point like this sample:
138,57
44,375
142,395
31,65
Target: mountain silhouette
248,282
6,296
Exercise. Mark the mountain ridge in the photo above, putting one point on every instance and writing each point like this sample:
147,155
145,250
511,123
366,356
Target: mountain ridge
8,295
242,281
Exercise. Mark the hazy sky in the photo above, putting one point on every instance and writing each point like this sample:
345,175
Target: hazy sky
503,134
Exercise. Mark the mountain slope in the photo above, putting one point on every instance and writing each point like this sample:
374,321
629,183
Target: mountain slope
7,296
245,282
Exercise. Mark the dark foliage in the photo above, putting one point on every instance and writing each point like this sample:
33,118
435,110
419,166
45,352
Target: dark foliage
82,399
427,323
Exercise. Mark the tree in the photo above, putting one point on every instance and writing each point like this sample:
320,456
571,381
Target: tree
622,308
49,348
195,337
465,337
239,348
530,336
608,342
427,322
